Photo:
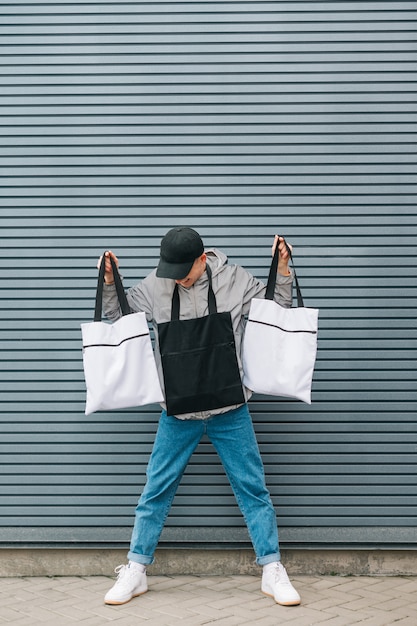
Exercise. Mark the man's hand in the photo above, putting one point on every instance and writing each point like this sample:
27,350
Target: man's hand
284,257
108,271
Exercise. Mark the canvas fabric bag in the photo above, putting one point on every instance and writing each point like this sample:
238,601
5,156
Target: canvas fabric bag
280,344
119,363
199,361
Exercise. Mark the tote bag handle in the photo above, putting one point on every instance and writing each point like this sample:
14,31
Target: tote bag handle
270,288
119,289
212,304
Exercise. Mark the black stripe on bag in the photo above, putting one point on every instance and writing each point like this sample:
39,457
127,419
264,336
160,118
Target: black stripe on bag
114,345
284,330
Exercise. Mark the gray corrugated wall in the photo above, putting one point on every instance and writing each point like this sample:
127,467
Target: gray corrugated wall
119,120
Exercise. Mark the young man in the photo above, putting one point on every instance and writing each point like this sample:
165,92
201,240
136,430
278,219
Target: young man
185,262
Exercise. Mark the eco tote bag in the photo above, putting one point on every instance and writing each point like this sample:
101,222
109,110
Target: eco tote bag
280,345
119,364
199,360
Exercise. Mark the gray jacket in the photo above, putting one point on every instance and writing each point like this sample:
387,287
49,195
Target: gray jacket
234,289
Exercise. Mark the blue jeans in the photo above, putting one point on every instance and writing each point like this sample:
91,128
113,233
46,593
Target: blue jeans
233,437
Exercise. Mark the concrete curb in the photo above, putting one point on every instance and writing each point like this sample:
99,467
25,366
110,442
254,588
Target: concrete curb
94,562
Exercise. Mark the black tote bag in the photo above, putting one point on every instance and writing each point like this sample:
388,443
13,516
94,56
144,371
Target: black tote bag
199,361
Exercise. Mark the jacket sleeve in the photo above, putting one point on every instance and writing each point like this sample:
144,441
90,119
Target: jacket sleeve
111,307
283,290
257,289
139,299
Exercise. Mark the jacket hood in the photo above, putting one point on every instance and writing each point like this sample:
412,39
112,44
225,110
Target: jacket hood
216,259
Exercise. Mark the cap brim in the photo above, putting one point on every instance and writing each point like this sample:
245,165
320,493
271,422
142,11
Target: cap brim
176,271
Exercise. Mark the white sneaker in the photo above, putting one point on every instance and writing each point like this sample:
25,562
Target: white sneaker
276,584
131,582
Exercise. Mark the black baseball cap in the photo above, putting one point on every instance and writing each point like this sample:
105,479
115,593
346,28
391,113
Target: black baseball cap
180,247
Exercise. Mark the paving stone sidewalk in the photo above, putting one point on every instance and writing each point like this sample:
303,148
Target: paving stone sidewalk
211,600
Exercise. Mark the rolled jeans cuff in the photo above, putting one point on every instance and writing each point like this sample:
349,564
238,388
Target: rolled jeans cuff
140,558
269,558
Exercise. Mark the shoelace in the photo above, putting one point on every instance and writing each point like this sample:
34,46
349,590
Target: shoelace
120,570
281,575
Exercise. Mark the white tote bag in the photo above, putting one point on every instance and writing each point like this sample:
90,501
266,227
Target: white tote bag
280,345
119,364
